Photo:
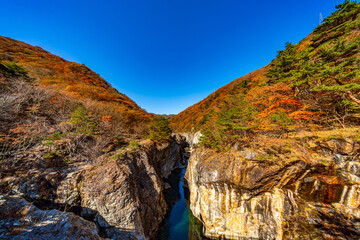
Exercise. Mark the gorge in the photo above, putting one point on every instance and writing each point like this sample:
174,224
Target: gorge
236,195
274,154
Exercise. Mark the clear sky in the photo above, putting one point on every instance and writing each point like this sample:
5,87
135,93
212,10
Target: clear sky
164,54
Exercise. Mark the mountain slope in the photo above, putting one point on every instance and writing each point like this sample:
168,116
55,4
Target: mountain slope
73,79
60,105
313,84
197,115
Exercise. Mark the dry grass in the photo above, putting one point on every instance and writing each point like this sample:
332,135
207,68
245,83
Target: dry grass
328,134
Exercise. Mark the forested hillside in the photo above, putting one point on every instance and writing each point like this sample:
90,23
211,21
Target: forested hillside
312,85
57,105
49,71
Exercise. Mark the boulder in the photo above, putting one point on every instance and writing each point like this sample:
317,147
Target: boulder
20,219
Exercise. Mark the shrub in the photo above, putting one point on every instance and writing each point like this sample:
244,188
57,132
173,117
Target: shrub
82,122
210,139
13,69
118,156
134,144
281,119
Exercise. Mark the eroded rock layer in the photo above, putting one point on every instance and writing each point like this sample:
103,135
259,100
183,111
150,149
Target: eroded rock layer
121,192
237,195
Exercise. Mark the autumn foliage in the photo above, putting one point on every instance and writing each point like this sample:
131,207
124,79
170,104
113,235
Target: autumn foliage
313,83
75,80
60,109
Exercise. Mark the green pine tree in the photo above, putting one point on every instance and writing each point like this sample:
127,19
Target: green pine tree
159,129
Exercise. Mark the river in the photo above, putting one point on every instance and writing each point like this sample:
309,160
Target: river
179,224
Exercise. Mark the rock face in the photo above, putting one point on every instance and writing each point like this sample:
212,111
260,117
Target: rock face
19,219
192,139
124,196
121,192
238,197
166,157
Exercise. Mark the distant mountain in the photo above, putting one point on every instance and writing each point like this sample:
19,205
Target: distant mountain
166,116
312,84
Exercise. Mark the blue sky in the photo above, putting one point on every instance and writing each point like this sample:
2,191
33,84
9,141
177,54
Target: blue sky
164,54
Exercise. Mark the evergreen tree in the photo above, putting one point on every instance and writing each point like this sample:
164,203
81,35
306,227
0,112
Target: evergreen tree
159,129
82,122
285,62
234,121
233,124
330,63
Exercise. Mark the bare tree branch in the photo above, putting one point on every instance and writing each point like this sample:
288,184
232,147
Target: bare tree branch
353,97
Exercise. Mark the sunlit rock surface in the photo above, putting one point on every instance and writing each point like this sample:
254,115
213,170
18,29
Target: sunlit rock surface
19,219
238,197
192,139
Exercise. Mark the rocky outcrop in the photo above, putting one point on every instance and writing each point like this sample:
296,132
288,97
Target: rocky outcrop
121,192
166,157
126,195
238,195
20,219
192,139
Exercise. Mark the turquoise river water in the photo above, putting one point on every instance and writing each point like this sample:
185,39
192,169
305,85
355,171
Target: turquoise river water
180,224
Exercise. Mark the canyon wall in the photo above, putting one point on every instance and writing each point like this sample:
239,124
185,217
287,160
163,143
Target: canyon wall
120,193
238,195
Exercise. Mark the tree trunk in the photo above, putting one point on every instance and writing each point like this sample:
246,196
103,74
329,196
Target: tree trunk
353,97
